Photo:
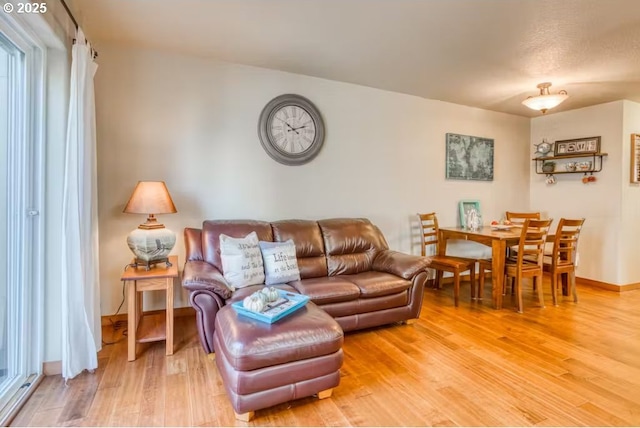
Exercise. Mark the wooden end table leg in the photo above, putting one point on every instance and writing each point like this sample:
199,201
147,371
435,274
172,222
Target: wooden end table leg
132,318
169,312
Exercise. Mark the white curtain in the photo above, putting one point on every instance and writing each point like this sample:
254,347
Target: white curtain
81,331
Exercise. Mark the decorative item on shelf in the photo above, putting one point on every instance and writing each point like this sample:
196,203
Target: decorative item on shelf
548,166
570,166
577,146
551,179
543,149
588,178
545,100
151,242
584,165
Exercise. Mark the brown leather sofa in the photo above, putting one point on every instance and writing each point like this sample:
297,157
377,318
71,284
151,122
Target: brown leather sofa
346,269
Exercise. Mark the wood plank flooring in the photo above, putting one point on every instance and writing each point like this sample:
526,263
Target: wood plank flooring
570,365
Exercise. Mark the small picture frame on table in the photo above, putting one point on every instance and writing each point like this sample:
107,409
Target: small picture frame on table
465,206
577,146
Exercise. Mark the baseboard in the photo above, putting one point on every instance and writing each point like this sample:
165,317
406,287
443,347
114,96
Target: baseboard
607,286
177,312
50,368
580,281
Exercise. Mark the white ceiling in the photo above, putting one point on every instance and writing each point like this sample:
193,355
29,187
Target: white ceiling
489,54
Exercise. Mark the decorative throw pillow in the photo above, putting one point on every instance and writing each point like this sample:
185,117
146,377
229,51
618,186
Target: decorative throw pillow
280,263
241,260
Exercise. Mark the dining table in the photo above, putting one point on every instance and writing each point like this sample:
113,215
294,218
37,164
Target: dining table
496,237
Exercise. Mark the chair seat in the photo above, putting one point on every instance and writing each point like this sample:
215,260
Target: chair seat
450,262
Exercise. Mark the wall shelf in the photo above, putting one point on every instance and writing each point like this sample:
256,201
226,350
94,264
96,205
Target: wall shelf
596,165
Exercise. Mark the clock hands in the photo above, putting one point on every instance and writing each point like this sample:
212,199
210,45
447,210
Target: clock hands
291,128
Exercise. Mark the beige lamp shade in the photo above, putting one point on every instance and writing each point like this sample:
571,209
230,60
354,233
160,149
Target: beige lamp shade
151,242
150,197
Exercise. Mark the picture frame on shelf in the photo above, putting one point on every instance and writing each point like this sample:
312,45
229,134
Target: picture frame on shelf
465,206
577,146
635,158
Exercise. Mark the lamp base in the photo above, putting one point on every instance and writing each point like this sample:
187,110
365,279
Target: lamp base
148,264
151,246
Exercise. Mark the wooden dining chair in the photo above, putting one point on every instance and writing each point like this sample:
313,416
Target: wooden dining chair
528,262
484,265
519,218
441,264
562,262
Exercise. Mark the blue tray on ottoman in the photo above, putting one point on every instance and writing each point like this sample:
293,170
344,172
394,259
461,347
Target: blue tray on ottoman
293,302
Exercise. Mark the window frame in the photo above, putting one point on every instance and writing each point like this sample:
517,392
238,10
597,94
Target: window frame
26,199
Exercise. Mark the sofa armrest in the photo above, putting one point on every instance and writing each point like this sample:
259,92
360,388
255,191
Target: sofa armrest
200,275
400,264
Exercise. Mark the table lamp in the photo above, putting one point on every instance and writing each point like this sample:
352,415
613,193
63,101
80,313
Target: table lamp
151,242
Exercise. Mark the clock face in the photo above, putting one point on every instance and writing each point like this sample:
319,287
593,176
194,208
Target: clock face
291,129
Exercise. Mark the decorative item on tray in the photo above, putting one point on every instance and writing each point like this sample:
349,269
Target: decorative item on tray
270,304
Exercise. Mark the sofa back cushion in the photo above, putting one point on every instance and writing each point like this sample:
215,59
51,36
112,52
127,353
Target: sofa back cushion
351,244
307,238
211,230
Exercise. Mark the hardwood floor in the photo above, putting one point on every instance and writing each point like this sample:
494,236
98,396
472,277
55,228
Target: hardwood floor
571,365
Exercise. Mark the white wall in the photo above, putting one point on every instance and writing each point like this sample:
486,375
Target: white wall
599,202
192,122
630,230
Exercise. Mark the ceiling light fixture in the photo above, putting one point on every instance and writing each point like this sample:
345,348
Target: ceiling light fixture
545,100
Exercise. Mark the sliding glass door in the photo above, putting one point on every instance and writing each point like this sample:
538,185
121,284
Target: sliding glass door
4,167
21,118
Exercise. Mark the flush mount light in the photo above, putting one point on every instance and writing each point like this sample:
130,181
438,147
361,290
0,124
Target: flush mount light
545,100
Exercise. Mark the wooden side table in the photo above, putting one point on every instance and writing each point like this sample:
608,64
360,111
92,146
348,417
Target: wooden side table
150,327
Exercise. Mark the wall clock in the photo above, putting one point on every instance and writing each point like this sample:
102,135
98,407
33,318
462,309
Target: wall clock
291,129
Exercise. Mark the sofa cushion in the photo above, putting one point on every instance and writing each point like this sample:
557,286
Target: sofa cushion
280,264
309,245
327,289
211,230
350,244
241,260
362,306
376,284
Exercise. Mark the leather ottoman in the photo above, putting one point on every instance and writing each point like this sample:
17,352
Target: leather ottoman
267,364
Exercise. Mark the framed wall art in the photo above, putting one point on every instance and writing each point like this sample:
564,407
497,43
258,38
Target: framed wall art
635,158
577,146
469,158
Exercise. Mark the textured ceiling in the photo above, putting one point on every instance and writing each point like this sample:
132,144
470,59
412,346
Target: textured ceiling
489,54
